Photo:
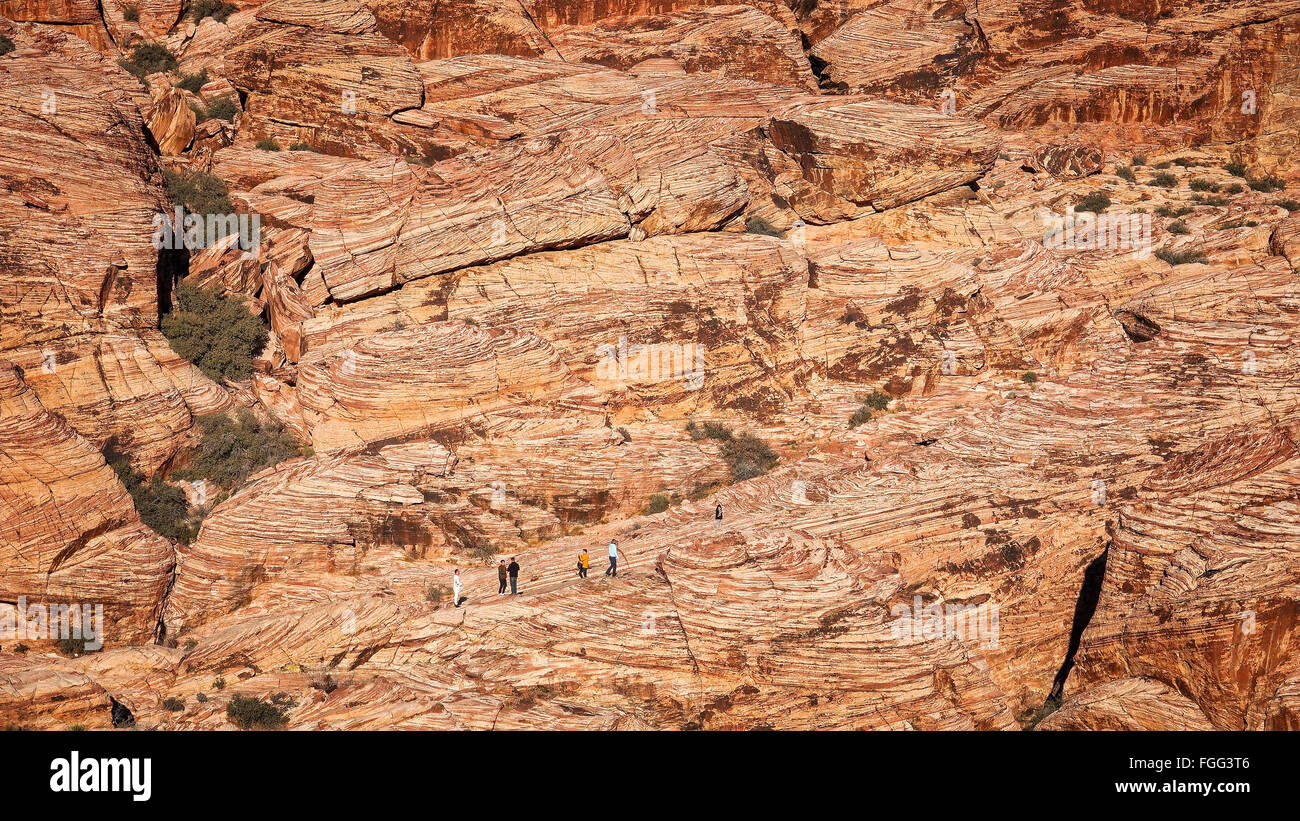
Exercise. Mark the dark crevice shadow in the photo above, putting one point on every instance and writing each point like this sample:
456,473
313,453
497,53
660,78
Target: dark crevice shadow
1084,608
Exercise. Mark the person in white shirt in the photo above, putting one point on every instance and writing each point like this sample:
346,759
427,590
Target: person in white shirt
612,570
455,588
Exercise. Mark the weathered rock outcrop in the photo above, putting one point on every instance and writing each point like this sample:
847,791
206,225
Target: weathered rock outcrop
79,272
1191,594
69,534
1195,71
725,41
977,321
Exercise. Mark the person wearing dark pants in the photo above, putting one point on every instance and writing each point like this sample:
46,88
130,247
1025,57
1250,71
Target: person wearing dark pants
583,562
513,570
612,570
501,576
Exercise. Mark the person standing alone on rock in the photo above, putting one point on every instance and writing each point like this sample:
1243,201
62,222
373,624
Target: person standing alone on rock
612,570
717,515
584,561
501,576
513,570
455,588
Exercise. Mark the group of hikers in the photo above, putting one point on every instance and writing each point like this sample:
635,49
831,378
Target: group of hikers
510,572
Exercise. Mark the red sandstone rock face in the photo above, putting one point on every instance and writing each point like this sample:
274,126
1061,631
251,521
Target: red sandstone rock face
1189,577
1195,71
70,534
79,295
725,41
531,242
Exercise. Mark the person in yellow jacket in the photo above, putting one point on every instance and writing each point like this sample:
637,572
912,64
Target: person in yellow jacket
583,563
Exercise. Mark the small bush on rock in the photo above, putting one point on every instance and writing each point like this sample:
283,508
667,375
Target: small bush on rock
1096,202
148,58
161,506
758,225
217,334
232,449
251,713
1180,257
193,82
218,10
198,193
748,456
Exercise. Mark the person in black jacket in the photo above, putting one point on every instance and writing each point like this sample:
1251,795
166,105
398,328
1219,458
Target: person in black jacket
501,576
717,515
513,570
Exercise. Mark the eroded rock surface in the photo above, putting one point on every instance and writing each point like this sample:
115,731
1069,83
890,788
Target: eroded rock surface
1006,291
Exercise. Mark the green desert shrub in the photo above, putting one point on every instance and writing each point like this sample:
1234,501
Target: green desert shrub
198,192
758,225
746,454
193,82
1139,159
1178,227
233,448
161,506
252,713
1170,211
1029,378
1289,204
658,503
1164,180
1183,162
218,10
1182,257
1125,173
148,58
6,45
709,430
1234,188
1096,202
1216,200
131,14
222,108
1236,168
860,416
1161,166
216,333
1201,184
303,147
877,400
1266,184
268,144
173,704
73,647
